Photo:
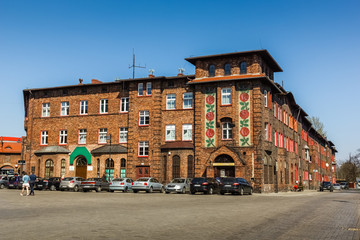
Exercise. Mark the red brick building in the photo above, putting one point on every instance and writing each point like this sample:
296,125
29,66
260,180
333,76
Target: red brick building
229,119
10,154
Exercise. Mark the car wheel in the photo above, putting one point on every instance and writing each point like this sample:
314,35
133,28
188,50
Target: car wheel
126,189
251,191
222,193
98,189
183,191
150,190
241,191
84,190
211,191
2,186
76,188
192,192
167,192
135,191
52,188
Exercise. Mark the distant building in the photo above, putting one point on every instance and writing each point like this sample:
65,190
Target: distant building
229,119
10,154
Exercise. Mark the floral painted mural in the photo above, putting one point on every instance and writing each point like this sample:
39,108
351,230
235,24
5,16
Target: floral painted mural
210,117
245,118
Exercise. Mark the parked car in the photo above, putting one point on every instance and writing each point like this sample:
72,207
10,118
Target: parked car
71,183
337,186
15,182
235,186
121,184
344,185
40,183
147,184
4,182
178,185
53,183
326,186
97,184
205,185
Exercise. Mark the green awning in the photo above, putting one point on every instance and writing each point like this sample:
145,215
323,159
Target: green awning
80,151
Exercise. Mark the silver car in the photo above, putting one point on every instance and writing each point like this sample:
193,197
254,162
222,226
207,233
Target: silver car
178,185
147,184
121,184
71,183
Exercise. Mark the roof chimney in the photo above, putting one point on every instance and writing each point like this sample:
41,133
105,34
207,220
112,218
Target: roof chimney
80,81
181,72
151,71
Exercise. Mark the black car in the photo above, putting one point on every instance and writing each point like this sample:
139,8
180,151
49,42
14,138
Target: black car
53,183
40,183
326,186
205,185
235,186
15,183
97,184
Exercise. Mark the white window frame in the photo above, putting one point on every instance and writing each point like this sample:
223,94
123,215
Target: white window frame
170,132
266,131
102,135
140,89
83,107
124,105
144,118
64,109
148,88
63,137
226,96
171,101
227,131
143,150
187,132
188,100
82,136
44,138
123,137
45,110
265,98
104,106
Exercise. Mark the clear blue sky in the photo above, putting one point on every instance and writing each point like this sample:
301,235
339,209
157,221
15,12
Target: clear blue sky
54,43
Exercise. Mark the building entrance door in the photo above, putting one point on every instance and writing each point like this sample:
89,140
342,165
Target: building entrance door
224,166
81,167
142,171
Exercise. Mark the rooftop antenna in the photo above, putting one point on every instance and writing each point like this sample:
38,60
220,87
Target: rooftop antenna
134,66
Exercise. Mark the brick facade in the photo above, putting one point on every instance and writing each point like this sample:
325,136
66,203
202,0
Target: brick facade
252,111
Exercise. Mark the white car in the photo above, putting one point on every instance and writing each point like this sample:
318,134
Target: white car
337,186
121,184
147,184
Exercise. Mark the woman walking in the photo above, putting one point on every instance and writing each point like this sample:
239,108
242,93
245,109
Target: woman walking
26,184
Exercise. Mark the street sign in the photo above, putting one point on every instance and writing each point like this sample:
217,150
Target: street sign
21,162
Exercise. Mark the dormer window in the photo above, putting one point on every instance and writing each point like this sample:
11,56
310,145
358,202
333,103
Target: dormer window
227,69
212,71
243,68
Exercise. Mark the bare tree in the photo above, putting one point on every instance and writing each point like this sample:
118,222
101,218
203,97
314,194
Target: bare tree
318,125
350,169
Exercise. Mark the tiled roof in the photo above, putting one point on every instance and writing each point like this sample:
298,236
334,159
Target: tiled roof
106,149
52,150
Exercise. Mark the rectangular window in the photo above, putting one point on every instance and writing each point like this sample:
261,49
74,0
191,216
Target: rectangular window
144,149
104,106
140,89
45,110
275,139
266,98
170,101
266,131
84,107
44,137
63,137
227,131
226,96
275,108
148,88
144,118
64,109
82,136
170,133
102,135
123,135
187,132
187,100
124,106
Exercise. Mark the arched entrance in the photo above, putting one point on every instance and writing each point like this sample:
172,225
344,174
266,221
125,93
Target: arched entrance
7,170
81,167
224,166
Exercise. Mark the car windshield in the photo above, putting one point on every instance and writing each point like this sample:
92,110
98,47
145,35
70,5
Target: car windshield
336,184
118,180
142,180
343,183
178,180
228,180
68,179
327,183
92,179
198,180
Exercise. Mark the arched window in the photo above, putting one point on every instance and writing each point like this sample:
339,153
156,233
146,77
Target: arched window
109,169
123,168
98,168
49,168
190,172
211,70
176,166
62,173
243,68
227,69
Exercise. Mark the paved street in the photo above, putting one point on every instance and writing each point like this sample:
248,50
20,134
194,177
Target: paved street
69,215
